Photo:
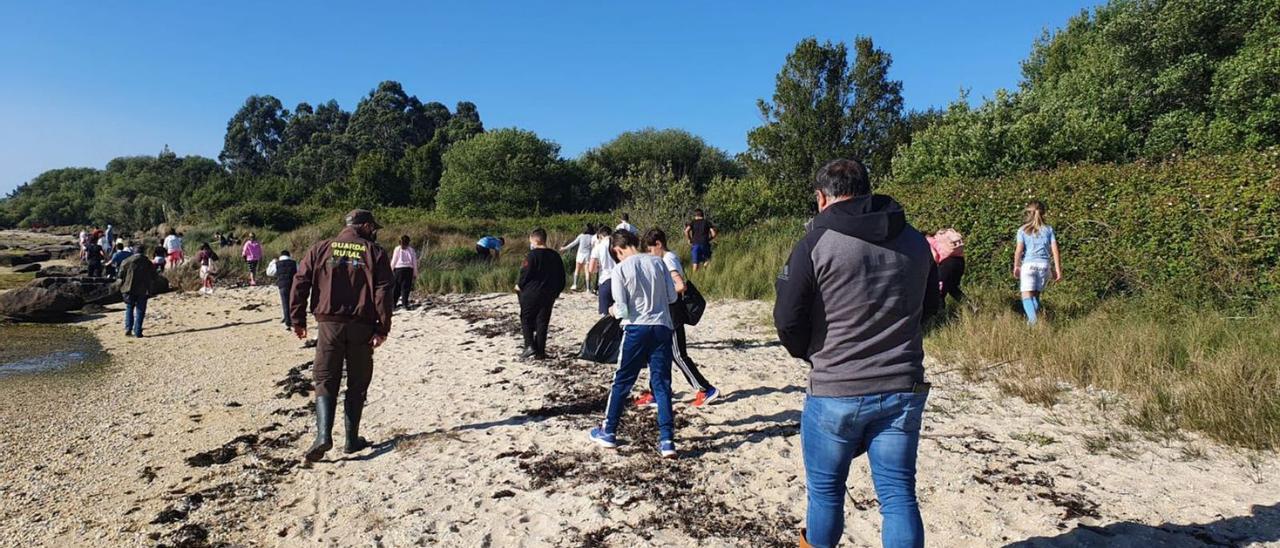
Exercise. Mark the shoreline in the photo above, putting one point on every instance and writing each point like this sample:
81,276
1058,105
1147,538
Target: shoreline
193,435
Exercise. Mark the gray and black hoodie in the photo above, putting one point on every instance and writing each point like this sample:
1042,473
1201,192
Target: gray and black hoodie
852,298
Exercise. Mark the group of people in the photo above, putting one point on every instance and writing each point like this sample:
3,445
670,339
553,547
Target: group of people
851,302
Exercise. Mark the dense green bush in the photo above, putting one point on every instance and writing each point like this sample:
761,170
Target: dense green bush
737,203
1206,229
502,173
258,214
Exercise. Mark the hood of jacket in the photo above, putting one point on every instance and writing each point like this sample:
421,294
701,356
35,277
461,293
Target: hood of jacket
875,218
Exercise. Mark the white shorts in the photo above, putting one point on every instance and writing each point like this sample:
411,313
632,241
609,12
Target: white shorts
584,258
1034,276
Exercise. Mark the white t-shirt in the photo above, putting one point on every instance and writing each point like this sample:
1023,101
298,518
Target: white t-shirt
172,243
673,263
601,253
628,227
585,247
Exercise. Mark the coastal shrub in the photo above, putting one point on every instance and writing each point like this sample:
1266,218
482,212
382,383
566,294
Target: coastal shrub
262,214
1203,229
737,203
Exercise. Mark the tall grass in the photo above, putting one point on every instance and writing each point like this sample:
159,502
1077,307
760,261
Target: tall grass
1183,366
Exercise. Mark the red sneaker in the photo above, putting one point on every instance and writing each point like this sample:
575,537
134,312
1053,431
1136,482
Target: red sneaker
645,399
705,396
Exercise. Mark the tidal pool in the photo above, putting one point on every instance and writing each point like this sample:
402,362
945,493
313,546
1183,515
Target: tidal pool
42,348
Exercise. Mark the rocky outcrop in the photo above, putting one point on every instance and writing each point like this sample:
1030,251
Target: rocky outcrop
33,267
61,271
15,258
37,304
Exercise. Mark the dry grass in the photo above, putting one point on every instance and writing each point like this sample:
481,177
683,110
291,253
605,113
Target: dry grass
1182,367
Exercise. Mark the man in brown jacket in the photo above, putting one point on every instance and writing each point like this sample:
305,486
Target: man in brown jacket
346,281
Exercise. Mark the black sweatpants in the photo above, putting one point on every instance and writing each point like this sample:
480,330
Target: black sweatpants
340,344
403,285
950,272
680,355
535,319
284,303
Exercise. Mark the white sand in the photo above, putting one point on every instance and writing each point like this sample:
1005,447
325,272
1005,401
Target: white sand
461,461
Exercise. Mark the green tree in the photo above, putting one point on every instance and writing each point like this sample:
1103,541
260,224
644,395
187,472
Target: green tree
254,135
374,182
390,121
823,109
681,154
503,173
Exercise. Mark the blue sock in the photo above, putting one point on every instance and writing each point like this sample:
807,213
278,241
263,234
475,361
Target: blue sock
1037,301
1029,306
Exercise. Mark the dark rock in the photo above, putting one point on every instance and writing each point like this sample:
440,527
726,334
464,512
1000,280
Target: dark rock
37,303
32,267
24,257
99,291
56,271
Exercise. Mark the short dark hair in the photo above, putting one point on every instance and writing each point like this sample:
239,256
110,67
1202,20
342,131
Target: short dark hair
697,212
285,253
841,178
604,231
502,240
404,240
626,217
538,235
653,236
624,239
119,247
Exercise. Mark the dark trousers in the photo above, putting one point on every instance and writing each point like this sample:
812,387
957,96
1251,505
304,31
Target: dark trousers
535,319
135,310
339,344
403,285
685,363
950,272
95,270
284,304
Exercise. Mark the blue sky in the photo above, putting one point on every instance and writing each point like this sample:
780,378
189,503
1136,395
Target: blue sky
84,82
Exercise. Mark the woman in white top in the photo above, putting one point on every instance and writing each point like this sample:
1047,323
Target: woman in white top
584,242
404,266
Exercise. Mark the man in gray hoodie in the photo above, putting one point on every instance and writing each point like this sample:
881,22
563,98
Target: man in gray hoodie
850,302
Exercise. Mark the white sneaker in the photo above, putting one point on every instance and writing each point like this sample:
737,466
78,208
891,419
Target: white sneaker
574,288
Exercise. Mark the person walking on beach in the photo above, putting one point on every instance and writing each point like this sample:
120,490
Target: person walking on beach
284,268
137,278
117,257
540,284
656,240
404,265
208,261
602,262
159,258
94,255
584,243
644,292
252,252
700,232
1037,244
489,247
627,226
948,252
850,302
83,239
173,248
346,282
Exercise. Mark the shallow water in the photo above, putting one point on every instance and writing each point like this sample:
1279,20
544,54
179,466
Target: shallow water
27,349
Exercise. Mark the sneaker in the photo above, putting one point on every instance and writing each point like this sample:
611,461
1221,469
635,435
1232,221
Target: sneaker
645,400
705,396
603,439
288,329
574,287
667,449
128,333
252,283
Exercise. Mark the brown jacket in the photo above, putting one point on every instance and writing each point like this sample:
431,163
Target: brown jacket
343,279
137,275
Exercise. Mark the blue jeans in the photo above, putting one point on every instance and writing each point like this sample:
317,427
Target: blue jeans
643,344
135,309
887,428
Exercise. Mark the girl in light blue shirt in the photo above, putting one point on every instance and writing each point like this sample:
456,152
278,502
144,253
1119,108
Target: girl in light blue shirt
1037,246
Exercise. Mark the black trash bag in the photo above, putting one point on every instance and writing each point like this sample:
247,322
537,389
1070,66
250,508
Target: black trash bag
603,342
690,306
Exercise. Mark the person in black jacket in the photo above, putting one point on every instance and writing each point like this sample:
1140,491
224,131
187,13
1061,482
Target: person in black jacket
540,284
284,268
851,301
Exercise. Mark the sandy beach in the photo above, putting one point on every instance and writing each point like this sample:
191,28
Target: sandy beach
192,437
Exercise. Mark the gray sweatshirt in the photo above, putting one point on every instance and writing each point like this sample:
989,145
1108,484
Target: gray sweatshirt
852,298
643,291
